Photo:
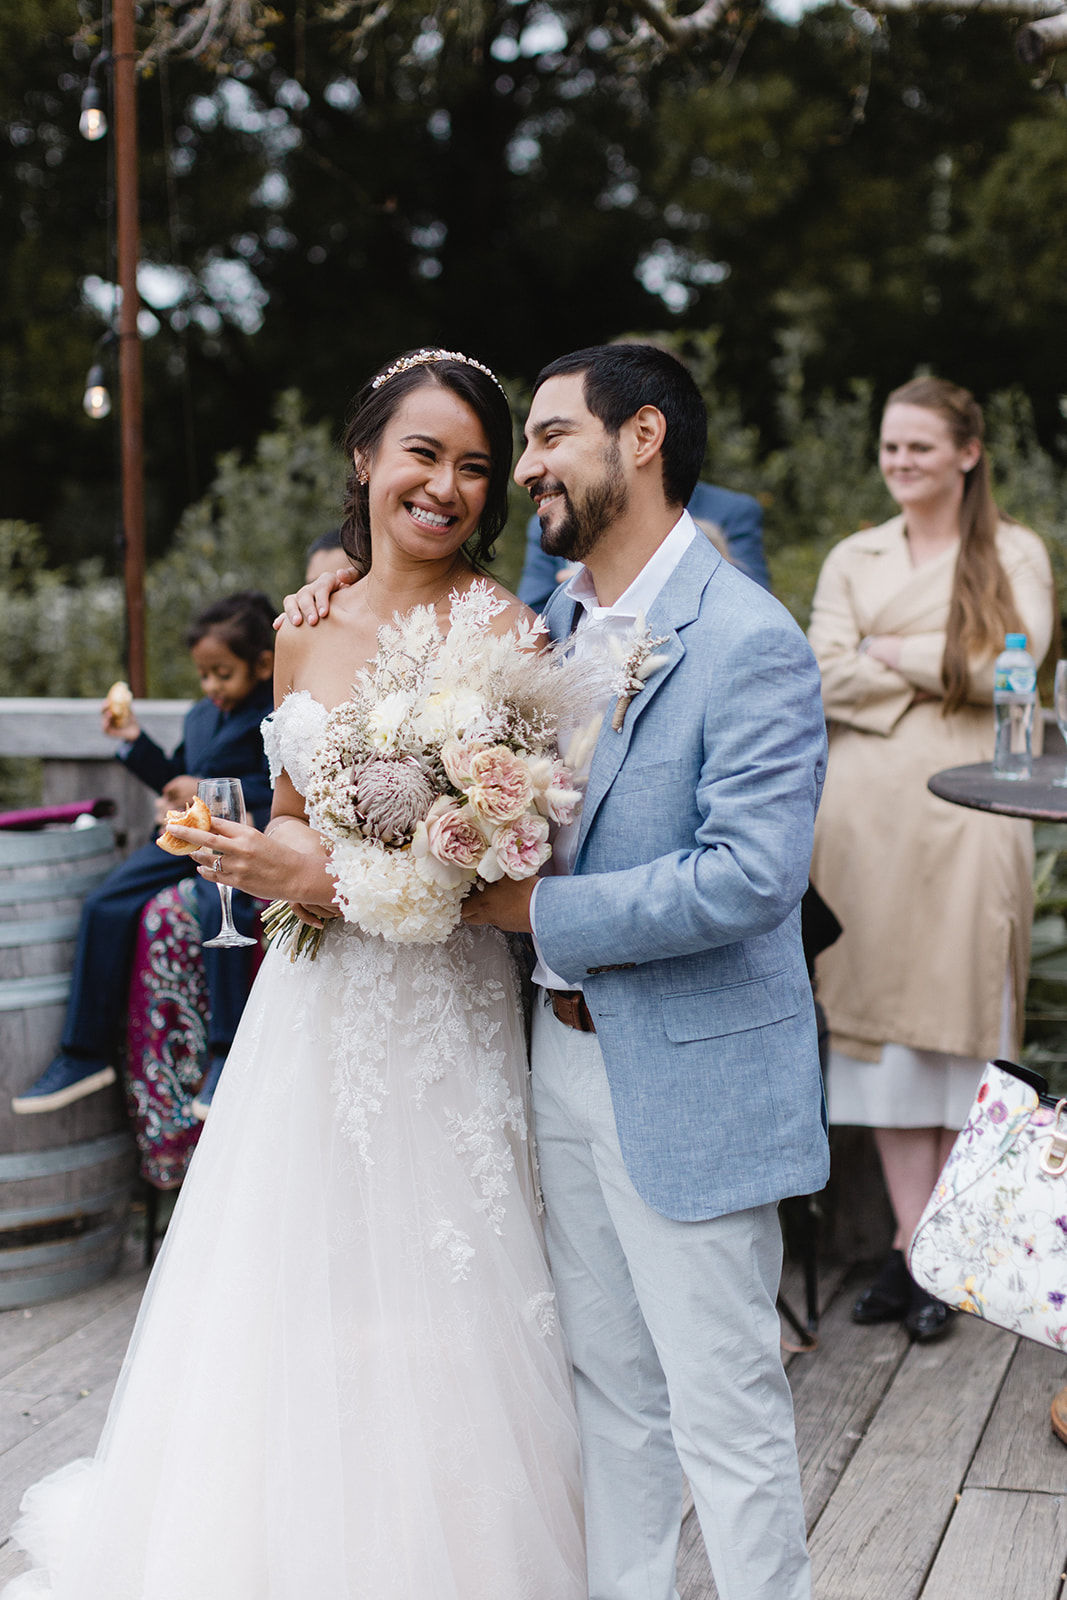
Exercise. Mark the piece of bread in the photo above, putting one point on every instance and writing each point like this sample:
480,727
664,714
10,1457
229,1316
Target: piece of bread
195,815
119,703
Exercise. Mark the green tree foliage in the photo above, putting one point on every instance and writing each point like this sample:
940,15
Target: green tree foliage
515,184
59,468
251,530
61,631
844,185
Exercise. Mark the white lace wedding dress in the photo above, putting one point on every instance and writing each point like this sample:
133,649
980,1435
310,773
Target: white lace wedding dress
346,1381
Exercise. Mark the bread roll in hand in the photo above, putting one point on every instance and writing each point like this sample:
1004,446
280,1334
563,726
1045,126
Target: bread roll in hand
195,815
118,704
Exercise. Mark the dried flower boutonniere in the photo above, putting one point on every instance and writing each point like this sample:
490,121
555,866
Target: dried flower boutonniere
637,661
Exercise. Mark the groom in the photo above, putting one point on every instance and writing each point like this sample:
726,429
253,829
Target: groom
676,1083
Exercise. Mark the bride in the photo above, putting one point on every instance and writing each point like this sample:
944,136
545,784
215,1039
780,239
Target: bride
346,1378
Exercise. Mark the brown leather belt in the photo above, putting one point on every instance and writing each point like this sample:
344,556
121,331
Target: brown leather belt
570,1008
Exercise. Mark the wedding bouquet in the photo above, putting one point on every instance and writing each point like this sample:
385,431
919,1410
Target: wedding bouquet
444,768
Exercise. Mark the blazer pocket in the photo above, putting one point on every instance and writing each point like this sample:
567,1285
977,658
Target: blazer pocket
734,1008
642,777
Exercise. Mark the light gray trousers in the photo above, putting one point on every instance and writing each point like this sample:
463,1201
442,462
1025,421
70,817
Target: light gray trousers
674,1338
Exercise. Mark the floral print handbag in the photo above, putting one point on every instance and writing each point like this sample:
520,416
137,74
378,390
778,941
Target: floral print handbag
993,1237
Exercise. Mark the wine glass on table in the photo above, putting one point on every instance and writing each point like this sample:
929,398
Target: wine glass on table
224,797
1059,694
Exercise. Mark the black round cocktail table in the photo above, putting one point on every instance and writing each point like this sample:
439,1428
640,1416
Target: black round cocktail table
1037,798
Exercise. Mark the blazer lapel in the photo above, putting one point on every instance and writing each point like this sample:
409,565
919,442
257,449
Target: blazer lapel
677,604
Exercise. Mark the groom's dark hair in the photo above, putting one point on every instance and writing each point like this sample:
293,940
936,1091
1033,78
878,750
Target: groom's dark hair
620,379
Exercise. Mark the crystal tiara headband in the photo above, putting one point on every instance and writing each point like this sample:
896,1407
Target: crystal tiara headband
425,358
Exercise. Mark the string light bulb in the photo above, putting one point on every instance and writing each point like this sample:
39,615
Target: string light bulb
92,124
96,401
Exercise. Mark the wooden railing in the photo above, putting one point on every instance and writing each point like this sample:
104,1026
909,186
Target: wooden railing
78,761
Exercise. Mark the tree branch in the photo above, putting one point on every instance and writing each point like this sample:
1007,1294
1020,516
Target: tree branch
1002,8
678,32
1039,41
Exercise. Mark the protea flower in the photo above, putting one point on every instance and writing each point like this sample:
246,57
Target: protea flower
391,795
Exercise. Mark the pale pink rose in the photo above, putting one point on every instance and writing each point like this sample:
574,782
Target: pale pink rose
501,788
456,758
448,843
453,833
521,847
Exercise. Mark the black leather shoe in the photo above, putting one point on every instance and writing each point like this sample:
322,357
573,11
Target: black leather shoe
889,1297
928,1318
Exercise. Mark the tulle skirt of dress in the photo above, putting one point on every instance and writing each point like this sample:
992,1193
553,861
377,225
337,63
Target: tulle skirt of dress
346,1379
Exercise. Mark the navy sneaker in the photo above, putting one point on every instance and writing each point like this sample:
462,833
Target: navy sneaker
69,1078
206,1092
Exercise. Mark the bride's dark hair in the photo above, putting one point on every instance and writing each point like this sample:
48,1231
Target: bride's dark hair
371,411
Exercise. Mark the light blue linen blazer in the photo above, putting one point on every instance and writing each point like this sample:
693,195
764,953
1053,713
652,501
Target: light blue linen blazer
682,917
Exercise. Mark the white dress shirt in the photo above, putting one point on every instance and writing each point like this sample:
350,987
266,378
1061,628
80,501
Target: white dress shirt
594,626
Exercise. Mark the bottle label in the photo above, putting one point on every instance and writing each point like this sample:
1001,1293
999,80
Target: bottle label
1016,680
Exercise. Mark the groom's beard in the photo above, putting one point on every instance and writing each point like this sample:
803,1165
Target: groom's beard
583,521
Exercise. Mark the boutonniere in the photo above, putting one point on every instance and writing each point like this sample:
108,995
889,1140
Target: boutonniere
635,656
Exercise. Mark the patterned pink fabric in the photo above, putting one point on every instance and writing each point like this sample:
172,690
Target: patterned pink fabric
167,1034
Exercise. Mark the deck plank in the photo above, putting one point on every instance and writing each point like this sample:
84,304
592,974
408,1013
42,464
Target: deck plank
60,1365
1019,1449
72,1433
24,1333
888,1437
12,1562
85,1357
836,1393
879,1533
1002,1545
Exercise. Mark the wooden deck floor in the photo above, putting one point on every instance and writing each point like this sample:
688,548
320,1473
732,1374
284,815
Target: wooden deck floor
929,1471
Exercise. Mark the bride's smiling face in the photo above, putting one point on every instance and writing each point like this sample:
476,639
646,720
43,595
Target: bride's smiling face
429,476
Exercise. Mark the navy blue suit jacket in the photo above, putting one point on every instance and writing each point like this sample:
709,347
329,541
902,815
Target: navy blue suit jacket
214,745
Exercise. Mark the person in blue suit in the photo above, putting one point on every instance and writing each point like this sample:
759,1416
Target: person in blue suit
232,646
676,1083
740,517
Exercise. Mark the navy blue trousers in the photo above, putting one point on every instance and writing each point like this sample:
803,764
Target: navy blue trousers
96,1011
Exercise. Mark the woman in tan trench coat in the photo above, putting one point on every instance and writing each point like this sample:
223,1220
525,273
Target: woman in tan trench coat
928,979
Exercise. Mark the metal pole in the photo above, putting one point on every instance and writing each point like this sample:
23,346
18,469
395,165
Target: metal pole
130,384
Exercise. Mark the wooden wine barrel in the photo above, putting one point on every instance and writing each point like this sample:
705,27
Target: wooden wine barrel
65,1176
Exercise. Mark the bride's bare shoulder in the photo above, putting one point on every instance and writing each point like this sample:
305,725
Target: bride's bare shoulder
313,658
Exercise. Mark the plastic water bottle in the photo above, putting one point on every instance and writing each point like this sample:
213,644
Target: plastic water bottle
1014,699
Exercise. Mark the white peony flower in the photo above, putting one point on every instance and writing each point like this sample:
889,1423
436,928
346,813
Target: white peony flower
386,718
433,722
382,891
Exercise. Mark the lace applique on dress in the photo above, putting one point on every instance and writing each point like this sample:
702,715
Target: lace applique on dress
425,1023
541,1313
456,1245
291,735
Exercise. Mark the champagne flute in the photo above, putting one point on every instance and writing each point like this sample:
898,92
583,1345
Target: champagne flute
1060,702
224,797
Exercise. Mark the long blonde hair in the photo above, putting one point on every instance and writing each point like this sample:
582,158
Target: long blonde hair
982,608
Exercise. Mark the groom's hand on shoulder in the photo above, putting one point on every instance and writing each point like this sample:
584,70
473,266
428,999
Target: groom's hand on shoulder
503,905
312,600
